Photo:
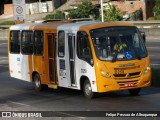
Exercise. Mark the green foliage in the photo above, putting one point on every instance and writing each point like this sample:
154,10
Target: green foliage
57,15
157,17
85,10
7,23
112,14
156,8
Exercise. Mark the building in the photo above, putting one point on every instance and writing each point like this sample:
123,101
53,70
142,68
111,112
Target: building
131,6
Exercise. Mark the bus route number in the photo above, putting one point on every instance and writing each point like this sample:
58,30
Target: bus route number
119,71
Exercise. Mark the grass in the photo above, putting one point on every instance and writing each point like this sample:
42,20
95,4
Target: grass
7,23
155,77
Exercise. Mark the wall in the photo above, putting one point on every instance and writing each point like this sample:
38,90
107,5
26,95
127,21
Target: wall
132,6
8,9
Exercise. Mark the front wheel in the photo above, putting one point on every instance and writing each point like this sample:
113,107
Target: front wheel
134,92
87,89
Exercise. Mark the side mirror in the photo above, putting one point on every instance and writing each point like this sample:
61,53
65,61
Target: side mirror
143,36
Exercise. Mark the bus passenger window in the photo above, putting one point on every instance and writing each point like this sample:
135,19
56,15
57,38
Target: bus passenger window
15,42
38,42
27,42
83,47
61,44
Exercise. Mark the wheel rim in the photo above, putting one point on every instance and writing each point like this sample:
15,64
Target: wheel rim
88,89
37,82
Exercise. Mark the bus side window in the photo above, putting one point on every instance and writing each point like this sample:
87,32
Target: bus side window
27,42
15,42
61,43
38,42
83,47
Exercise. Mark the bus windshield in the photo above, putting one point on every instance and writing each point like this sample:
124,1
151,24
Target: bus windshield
118,43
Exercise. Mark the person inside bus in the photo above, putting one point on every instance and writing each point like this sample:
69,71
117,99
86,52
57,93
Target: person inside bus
119,46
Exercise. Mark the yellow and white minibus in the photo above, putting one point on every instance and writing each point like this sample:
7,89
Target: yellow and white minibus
95,57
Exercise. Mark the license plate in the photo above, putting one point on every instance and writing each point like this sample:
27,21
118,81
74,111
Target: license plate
129,84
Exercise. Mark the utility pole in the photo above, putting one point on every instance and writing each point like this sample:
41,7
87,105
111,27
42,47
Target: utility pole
53,3
102,11
145,11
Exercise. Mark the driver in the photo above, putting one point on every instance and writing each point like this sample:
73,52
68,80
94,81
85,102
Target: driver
119,46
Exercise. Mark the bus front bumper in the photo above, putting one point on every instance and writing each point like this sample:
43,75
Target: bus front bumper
112,84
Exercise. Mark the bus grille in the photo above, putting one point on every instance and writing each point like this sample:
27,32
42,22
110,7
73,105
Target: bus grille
130,74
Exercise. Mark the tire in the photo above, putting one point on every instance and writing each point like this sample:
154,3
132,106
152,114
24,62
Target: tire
37,82
134,92
87,89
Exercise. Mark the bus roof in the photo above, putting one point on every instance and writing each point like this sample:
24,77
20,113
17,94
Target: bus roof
91,25
68,26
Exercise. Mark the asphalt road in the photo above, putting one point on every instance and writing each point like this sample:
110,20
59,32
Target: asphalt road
154,52
18,95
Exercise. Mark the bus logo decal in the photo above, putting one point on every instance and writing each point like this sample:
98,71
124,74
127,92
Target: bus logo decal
127,65
83,71
18,59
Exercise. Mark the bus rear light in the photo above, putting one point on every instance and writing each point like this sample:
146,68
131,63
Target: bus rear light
93,82
19,71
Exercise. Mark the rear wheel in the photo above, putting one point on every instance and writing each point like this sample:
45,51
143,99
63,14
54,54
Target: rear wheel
37,82
87,89
134,92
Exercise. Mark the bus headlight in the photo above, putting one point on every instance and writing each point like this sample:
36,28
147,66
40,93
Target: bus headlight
146,70
104,74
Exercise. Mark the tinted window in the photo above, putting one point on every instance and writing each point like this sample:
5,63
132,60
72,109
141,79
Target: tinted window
15,42
61,44
83,47
38,45
27,42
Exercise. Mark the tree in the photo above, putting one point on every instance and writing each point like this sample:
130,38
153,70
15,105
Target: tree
85,10
156,8
57,15
112,13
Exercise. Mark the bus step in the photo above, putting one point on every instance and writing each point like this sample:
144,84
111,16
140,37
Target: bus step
54,86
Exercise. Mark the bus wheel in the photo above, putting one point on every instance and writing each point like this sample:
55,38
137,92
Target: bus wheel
37,82
87,89
134,92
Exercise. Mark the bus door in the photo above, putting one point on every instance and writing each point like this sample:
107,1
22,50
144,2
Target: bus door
52,67
66,59
71,52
